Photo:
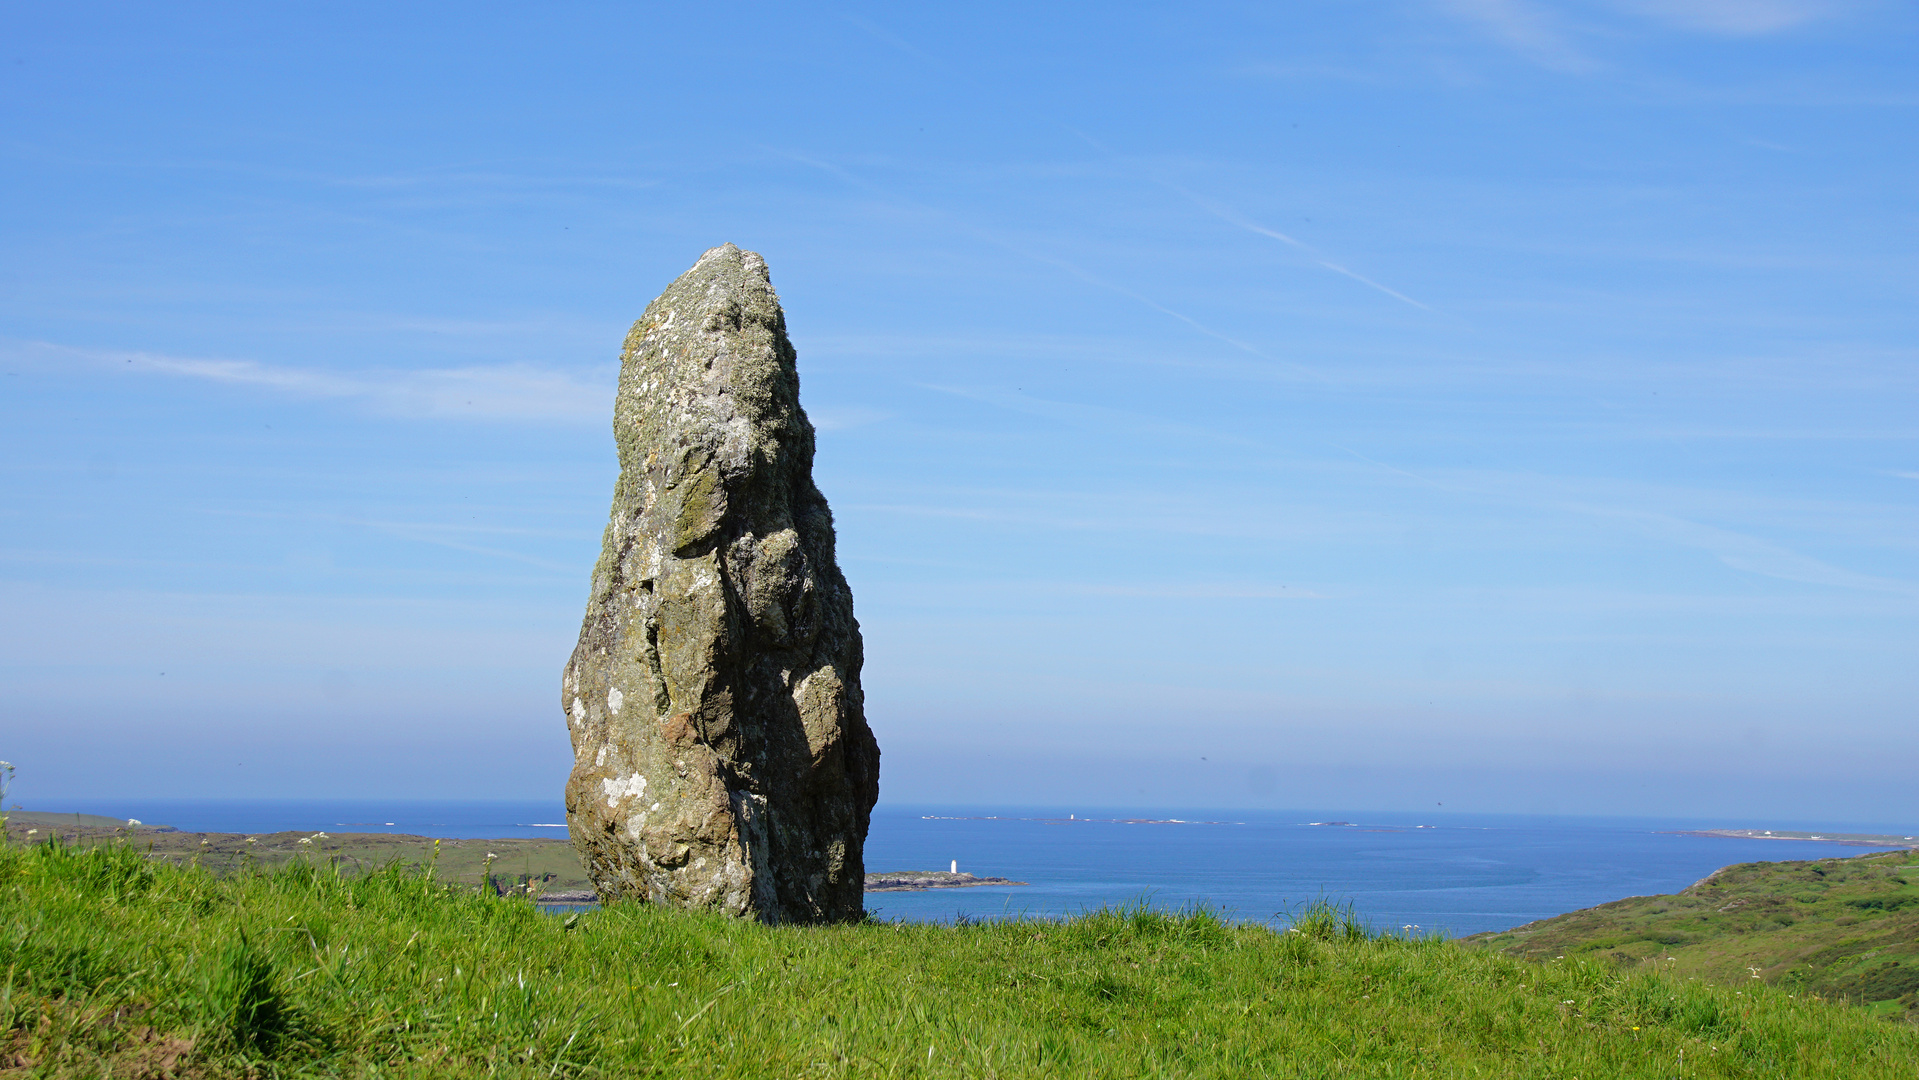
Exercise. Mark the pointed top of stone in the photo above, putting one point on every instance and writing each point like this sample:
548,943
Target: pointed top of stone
727,256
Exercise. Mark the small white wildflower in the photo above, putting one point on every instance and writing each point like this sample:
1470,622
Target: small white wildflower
306,840
133,821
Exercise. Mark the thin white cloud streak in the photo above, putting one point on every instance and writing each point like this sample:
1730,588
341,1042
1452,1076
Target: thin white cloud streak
424,532
1455,367
1081,415
483,530
468,179
1735,18
1750,554
901,44
1527,30
1508,600
1232,217
1539,34
974,587
887,37
502,392
1122,290
1736,550
512,392
1884,525
845,419
1194,592
1054,261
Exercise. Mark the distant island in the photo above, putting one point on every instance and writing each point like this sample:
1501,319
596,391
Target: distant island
921,880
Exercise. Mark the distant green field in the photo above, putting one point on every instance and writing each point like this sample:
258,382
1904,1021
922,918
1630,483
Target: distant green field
45,823
117,964
1846,929
549,865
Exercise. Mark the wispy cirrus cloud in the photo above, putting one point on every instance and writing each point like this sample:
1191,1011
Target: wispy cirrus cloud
1045,255
1550,36
1528,29
1737,18
1750,554
501,392
1233,217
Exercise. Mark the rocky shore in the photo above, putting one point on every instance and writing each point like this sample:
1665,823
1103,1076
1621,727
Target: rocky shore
921,880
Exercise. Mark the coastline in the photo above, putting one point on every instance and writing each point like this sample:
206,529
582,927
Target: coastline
1873,840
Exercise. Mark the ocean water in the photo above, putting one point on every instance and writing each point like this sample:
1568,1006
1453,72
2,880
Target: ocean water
1448,874
1444,874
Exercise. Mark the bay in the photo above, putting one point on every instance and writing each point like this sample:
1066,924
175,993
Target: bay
1449,874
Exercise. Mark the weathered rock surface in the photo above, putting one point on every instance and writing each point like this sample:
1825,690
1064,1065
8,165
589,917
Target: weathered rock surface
721,754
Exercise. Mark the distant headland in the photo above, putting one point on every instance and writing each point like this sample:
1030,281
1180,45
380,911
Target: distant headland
1852,839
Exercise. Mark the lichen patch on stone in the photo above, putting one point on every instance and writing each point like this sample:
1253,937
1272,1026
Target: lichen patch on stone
622,787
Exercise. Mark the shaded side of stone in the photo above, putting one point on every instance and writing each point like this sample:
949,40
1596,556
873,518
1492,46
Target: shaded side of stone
721,754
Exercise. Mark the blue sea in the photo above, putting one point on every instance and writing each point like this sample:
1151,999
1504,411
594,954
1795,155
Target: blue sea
1448,874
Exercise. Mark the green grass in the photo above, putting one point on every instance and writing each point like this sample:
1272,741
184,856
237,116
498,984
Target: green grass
1847,929
551,864
116,964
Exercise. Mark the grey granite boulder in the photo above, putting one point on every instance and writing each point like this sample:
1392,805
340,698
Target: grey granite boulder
721,754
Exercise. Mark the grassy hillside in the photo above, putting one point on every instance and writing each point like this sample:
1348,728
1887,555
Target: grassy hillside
1841,928
116,964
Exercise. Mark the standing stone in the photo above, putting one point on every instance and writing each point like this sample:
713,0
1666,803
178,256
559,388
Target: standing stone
721,757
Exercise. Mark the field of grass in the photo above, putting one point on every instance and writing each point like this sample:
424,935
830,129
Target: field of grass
118,964
1847,929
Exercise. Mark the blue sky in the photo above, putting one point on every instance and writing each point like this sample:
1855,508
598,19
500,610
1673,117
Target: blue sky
1506,404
